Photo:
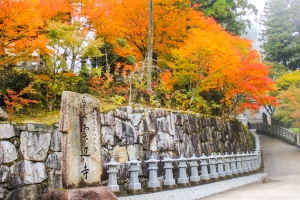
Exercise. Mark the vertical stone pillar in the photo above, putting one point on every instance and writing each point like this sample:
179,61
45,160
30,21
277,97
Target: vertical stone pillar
239,163
134,186
212,164
194,178
248,161
169,182
228,171
221,172
183,180
204,171
81,141
233,165
244,164
153,183
112,175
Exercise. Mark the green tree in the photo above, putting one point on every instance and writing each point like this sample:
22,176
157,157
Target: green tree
229,13
280,39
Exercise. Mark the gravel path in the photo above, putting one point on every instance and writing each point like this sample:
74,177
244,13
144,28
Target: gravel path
200,191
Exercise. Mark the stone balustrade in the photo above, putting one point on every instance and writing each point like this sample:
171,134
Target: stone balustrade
279,132
211,169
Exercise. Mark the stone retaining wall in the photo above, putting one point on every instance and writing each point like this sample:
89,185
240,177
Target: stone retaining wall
142,132
30,157
30,154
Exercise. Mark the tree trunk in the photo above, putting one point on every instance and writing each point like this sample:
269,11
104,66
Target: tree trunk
150,44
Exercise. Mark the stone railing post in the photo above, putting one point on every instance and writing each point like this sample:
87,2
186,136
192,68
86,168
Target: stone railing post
221,172
248,161
112,175
134,186
183,180
212,166
244,164
298,142
153,183
228,171
169,182
194,178
233,165
204,177
239,163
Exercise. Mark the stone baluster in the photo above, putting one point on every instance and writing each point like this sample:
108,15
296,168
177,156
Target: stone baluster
239,163
212,166
252,161
221,172
298,140
194,178
183,180
228,171
244,164
204,177
153,183
248,161
134,186
112,175
256,160
233,165
169,182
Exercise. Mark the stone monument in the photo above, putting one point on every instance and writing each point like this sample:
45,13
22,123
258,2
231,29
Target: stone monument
81,141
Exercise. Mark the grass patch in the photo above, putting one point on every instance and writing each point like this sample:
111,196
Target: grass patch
37,116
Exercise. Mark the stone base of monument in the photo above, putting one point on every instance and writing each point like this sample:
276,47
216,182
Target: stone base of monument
196,183
134,192
90,193
169,187
154,189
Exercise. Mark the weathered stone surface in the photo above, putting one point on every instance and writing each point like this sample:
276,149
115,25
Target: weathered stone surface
54,179
35,145
55,144
136,151
107,118
125,132
107,135
171,123
81,140
91,193
178,119
165,141
16,175
178,136
7,152
34,172
148,123
105,159
54,160
4,170
121,114
180,147
28,192
192,120
119,153
3,192
8,131
150,141
135,118
39,128
159,112
194,145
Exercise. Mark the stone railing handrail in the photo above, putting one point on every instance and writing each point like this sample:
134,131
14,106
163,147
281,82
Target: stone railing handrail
214,167
279,132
